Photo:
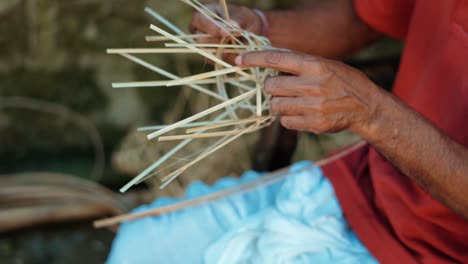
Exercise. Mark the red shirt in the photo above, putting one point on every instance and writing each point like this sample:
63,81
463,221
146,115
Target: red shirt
396,219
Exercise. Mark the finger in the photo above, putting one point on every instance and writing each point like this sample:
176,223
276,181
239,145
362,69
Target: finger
207,40
294,122
229,57
287,106
288,86
203,24
284,61
209,62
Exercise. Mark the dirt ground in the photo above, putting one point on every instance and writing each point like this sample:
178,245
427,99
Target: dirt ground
68,243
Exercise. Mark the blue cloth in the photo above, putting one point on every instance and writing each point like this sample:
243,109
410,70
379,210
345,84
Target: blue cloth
297,220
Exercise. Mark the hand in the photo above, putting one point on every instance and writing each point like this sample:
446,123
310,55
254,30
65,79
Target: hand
246,18
321,95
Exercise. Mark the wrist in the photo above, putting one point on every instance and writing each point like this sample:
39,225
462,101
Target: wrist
379,118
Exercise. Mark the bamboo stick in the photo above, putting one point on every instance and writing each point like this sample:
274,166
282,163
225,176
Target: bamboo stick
224,124
202,114
225,9
170,51
164,83
197,136
206,45
214,18
170,75
200,51
193,124
188,36
236,190
232,81
165,21
205,75
148,51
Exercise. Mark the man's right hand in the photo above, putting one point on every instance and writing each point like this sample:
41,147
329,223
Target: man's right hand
245,17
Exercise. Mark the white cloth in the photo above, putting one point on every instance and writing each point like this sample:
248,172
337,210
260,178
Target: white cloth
297,220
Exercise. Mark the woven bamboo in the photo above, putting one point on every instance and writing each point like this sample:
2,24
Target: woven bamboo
243,107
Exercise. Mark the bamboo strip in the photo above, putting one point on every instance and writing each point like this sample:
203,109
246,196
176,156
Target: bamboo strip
169,51
200,51
205,75
214,18
164,83
225,9
170,75
224,124
165,21
202,135
194,124
236,190
188,36
148,51
202,114
206,45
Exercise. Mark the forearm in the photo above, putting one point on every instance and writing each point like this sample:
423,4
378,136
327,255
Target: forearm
421,151
328,28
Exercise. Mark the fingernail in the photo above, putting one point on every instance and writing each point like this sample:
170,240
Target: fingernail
235,24
224,33
238,60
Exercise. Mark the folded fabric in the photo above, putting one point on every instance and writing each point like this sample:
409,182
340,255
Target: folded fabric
297,220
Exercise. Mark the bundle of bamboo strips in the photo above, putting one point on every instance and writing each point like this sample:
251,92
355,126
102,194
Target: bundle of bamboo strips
30,199
243,107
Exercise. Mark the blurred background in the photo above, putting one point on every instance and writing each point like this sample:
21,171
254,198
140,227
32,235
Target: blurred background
68,140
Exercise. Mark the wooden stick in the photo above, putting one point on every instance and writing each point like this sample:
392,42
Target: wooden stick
205,75
239,189
202,114
188,36
170,75
224,124
202,135
236,190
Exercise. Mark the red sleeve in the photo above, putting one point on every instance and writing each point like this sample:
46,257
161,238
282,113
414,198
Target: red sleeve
391,17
